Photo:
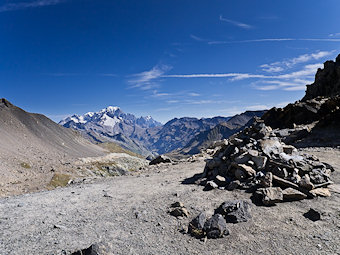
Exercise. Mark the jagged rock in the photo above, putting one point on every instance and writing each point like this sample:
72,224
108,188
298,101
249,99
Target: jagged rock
197,224
235,211
270,196
260,162
312,214
327,81
247,170
291,194
216,227
306,183
160,159
322,192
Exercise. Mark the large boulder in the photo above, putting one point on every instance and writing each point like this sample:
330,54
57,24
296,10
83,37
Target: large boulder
216,227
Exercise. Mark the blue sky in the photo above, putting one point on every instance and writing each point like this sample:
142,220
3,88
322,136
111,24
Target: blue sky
168,58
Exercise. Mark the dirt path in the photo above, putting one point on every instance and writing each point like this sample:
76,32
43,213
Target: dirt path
129,215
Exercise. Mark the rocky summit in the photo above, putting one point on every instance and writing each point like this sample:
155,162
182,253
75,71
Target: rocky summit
327,81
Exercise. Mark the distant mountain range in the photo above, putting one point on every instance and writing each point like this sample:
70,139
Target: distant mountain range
144,135
221,131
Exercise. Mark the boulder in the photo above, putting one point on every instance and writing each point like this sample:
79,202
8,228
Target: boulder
216,227
270,196
160,159
179,212
291,194
235,211
197,224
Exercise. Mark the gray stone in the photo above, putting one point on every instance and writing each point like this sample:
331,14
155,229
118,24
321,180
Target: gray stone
270,196
242,159
160,159
291,194
197,224
249,171
235,211
260,162
216,227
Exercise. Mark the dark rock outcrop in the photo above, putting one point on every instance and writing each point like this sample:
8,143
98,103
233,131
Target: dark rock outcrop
327,81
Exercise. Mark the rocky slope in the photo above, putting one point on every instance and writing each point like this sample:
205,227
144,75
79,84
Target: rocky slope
33,148
327,81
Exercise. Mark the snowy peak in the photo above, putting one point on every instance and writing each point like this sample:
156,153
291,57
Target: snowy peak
108,117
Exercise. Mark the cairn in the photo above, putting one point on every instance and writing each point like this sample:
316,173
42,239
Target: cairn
257,159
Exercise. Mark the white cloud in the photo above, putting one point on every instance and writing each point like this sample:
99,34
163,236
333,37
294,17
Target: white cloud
334,35
32,4
236,23
196,38
289,81
194,94
289,63
277,40
148,79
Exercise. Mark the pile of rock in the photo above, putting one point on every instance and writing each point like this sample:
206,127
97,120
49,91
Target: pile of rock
257,159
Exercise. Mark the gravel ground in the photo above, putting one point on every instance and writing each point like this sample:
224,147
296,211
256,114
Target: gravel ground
129,215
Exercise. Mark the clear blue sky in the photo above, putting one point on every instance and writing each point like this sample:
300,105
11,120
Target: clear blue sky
168,58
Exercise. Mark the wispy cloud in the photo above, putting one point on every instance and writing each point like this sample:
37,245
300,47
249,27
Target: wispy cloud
334,35
148,79
196,38
31,4
277,40
236,76
236,23
289,63
289,81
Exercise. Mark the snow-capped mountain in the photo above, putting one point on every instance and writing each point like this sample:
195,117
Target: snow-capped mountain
112,124
108,118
